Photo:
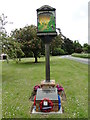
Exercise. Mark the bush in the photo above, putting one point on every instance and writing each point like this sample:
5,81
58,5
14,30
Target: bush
88,48
78,50
58,51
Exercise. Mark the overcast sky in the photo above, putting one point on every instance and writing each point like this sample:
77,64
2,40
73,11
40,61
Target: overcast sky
89,22
71,15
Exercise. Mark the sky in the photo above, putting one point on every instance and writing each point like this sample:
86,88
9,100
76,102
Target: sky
89,22
71,15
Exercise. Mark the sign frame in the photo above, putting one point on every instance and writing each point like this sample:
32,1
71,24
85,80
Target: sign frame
46,10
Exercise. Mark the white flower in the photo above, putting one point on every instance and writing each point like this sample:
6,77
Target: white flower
74,114
17,108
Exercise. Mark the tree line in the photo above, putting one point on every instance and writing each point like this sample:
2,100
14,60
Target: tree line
24,42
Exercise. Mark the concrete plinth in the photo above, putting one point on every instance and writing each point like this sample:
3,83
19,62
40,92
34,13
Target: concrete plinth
58,112
47,85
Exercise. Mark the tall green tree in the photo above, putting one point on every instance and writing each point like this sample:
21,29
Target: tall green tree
8,45
77,47
67,46
27,36
55,45
3,33
86,48
13,49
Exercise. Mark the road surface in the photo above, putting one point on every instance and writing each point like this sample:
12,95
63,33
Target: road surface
82,60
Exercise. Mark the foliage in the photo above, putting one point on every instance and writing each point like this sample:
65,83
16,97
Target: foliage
3,33
3,22
77,47
86,48
56,43
58,51
13,49
78,50
28,38
8,45
3,38
67,46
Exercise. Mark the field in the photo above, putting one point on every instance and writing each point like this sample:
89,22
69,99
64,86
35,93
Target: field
19,79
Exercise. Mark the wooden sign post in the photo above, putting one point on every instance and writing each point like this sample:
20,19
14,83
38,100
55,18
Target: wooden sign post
46,30
47,62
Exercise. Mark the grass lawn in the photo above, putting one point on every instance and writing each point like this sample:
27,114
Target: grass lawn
19,80
0,90
81,55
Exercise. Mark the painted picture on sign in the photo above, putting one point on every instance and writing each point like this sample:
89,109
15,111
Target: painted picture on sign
46,22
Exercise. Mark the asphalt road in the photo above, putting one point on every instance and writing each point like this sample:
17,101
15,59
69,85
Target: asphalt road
82,60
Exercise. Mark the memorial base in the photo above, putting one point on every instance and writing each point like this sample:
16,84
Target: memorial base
58,112
47,99
50,94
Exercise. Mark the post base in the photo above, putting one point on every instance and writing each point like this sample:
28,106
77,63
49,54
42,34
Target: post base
47,85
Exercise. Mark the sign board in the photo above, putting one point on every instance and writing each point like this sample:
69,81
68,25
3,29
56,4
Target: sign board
46,21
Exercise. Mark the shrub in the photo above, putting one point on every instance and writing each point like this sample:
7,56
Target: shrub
58,51
78,50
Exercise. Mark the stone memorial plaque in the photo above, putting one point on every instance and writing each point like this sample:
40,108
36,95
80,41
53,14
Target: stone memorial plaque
49,93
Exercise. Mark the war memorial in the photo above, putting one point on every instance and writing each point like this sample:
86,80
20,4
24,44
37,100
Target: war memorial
47,96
